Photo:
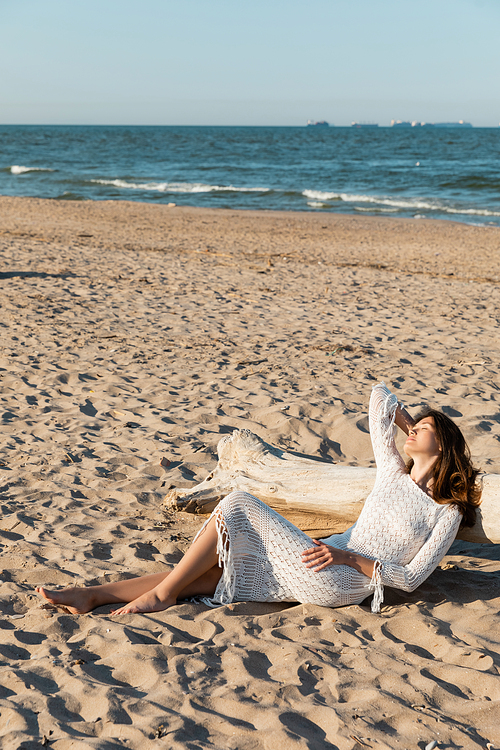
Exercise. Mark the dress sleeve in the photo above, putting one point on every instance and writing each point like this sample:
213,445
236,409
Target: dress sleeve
383,405
409,577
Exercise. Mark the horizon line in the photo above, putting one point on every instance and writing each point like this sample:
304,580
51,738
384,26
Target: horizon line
451,124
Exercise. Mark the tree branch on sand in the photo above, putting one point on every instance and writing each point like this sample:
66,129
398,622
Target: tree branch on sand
320,498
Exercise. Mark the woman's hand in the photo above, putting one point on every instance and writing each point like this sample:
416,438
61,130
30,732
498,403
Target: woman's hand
322,556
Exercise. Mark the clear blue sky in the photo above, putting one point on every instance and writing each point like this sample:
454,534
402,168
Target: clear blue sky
259,62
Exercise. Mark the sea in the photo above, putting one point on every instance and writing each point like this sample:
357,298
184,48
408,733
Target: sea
435,173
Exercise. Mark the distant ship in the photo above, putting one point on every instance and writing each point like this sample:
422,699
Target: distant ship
459,124
364,124
317,124
415,124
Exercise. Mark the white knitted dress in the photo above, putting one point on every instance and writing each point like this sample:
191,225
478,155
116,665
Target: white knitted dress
400,527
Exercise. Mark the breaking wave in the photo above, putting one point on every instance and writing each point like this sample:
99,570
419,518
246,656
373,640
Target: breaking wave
18,169
180,187
412,204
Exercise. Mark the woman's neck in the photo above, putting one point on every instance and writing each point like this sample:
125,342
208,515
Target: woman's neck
422,473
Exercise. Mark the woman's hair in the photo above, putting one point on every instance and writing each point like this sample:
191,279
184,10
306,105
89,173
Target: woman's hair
455,478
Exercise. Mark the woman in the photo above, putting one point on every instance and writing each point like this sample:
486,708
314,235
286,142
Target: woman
246,551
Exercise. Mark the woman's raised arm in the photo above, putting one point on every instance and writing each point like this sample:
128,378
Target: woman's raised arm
403,420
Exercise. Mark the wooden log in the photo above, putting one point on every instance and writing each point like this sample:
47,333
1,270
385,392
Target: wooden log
320,498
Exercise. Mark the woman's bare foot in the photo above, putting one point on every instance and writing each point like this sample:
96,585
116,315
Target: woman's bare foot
149,602
75,600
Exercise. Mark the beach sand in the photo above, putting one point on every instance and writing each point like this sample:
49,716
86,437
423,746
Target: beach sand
133,336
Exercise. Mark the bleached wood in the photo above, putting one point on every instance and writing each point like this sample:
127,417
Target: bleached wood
320,498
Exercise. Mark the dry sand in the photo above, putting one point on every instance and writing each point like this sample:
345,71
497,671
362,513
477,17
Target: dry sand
132,337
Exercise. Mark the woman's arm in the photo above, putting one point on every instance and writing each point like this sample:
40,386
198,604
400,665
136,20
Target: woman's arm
403,420
322,556
382,413
408,577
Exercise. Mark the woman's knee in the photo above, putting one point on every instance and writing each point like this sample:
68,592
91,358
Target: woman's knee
240,499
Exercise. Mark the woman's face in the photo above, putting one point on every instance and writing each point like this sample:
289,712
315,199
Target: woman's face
422,440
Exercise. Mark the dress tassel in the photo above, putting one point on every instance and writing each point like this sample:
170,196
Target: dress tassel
377,587
224,553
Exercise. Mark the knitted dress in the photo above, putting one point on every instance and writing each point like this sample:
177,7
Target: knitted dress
400,527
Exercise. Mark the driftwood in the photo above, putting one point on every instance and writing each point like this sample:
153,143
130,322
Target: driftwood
320,498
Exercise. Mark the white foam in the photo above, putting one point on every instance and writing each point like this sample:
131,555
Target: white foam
180,187
410,203
378,209
17,169
360,198
473,211
319,195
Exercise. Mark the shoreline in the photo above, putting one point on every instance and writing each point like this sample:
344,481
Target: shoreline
134,337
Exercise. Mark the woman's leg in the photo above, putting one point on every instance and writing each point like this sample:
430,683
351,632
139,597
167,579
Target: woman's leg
198,560
80,600
196,574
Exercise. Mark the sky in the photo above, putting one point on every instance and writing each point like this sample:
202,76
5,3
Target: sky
260,62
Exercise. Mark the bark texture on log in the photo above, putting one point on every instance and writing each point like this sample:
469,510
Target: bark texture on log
320,498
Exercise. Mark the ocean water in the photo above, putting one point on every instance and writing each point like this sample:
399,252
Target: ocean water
442,173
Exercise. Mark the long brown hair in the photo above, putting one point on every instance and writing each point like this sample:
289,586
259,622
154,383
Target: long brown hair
455,478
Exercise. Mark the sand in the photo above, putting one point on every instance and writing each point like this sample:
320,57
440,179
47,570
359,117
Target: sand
133,337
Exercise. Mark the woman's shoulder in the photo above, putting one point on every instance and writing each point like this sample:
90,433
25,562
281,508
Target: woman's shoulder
448,508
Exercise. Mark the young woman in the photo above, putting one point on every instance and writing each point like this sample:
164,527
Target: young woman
246,551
